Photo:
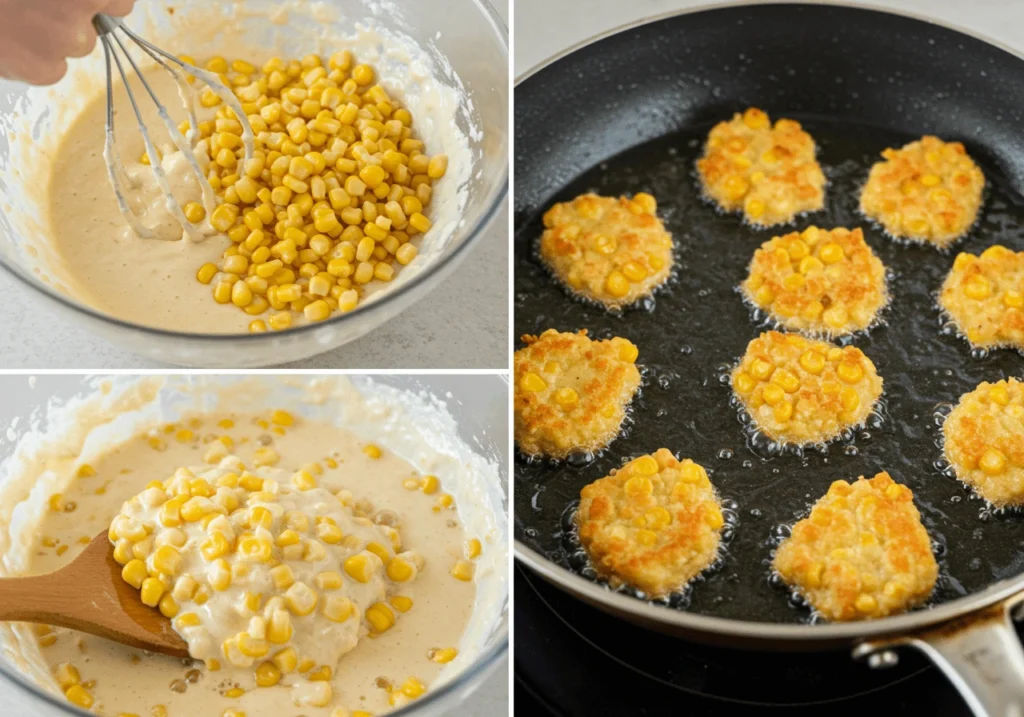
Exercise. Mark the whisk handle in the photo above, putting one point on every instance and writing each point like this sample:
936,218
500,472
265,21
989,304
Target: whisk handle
105,24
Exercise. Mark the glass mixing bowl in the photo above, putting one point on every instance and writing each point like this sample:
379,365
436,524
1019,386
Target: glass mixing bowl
472,39
479,405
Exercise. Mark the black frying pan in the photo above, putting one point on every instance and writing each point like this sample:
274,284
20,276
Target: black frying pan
629,113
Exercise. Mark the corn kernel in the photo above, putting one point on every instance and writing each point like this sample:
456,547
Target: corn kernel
151,592
337,608
279,628
285,660
267,674
380,617
850,372
992,462
401,603
849,399
282,576
617,284
78,695
67,675
251,646
400,570
463,571
413,688
134,573
443,655
359,567
301,600
188,619
168,605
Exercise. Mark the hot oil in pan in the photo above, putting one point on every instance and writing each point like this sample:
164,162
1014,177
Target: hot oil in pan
699,325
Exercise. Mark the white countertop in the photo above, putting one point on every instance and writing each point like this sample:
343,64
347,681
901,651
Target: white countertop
461,324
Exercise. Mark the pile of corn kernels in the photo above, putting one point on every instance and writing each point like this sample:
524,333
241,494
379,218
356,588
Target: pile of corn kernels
332,199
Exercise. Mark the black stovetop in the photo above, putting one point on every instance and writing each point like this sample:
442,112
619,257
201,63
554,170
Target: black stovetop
571,659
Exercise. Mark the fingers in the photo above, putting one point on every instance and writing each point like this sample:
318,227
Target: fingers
83,41
34,48
118,8
34,72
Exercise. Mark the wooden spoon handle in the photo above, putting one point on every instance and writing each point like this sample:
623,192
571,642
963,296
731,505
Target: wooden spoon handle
59,598
89,595
43,598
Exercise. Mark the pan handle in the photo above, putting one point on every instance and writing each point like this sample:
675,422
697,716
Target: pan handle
980,653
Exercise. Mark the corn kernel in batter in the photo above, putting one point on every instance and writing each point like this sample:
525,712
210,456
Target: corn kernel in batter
984,295
613,251
768,173
571,392
653,524
818,282
984,441
862,553
801,391
928,191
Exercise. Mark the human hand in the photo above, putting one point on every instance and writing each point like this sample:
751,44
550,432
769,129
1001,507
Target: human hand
37,36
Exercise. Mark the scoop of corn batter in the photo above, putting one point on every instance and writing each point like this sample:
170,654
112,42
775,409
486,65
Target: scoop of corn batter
768,173
261,572
818,281
653,524
571,392
984,295
613,251
801,391
984,441
862,553
928,191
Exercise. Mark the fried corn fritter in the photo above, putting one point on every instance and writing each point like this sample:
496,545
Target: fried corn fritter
768,173
818,282
800,391
653,524
862,553
612,251
571,392
984,441
928,191
984,295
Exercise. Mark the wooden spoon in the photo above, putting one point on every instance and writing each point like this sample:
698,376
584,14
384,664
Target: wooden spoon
88,594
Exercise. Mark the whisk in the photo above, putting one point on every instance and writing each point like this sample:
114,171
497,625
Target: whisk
110,30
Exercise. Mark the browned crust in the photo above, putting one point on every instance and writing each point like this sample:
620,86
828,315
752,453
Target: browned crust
927,191
804,289
767,172
862,553
592,237
604,382
995,320
627,545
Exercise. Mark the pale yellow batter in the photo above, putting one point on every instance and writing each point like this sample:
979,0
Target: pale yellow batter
369,677
148,282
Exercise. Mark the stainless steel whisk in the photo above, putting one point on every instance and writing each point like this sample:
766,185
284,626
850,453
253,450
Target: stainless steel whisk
109,30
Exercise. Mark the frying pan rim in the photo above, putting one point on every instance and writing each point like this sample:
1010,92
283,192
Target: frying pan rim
753,630
726,5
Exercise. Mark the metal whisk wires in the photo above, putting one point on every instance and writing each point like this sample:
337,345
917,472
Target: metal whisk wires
110,30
